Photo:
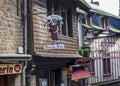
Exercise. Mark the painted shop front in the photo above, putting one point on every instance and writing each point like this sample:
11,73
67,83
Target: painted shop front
12,68
9,73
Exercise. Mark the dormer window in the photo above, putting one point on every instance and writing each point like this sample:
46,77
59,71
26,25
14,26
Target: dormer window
104,22
89,20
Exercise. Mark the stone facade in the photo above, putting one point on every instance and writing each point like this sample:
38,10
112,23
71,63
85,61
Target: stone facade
11,32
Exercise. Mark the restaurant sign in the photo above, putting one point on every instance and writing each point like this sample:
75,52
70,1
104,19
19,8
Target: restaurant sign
10,69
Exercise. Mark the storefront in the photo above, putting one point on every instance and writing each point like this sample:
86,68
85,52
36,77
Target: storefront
51,71
11,69
80,74
9,73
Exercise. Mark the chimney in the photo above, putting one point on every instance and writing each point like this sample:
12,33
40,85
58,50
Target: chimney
95,2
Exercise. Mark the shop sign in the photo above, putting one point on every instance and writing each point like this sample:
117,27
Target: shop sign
83,60
55,23
10,69
58,46
84,64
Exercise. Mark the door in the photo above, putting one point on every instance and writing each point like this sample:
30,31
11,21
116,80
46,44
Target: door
3,80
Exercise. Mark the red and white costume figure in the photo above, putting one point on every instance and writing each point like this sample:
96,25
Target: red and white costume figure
54,22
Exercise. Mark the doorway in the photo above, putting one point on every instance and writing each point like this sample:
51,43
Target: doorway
3,80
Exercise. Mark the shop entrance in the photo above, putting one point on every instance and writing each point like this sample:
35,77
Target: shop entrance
3,80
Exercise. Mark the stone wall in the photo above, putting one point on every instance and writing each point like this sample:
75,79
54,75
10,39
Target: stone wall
11,32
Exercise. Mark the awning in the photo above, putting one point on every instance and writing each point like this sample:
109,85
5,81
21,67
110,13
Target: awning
80,74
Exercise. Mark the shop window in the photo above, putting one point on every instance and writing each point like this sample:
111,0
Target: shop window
65,11
106,66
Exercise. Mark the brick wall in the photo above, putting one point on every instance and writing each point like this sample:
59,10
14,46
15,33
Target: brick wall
11,32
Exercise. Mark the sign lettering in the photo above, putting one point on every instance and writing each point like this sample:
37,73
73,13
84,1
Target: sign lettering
10,69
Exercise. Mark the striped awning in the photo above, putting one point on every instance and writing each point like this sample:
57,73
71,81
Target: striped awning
80,74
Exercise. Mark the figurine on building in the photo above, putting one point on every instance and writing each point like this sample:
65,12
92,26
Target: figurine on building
55,23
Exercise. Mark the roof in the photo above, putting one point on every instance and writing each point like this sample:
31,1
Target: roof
85,3
87,26
114,29
78,10
97,27
96,9
113,21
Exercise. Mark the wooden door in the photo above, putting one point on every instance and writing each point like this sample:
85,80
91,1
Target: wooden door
3,80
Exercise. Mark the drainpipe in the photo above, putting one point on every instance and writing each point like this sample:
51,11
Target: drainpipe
119,8
23,81
81,15
80,30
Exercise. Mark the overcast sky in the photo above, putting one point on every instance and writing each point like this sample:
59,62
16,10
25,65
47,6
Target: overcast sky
111,6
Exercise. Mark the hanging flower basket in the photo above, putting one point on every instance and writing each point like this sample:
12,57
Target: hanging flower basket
84,51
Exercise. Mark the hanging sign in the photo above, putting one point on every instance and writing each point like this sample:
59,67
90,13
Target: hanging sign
55,23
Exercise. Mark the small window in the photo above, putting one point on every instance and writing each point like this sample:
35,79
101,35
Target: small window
106,66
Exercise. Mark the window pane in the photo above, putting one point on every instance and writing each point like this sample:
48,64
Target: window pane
69,22
63,14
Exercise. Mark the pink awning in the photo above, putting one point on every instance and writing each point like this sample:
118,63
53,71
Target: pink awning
80,74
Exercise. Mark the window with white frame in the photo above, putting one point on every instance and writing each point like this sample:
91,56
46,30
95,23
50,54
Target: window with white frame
63,9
